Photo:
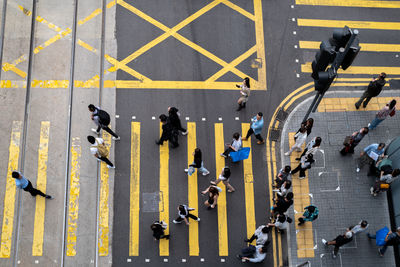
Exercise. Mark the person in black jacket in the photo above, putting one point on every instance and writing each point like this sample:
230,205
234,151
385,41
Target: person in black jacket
102,120
158,230
374,88
168,132
197,163
175,120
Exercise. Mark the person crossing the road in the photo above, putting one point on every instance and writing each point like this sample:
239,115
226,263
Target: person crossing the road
173,116
261,235
158,230
102,119
244,93
234,146
99,150
256,127
184,215
374,89
197,163
224,177
388,110
23,183
213,194
169,133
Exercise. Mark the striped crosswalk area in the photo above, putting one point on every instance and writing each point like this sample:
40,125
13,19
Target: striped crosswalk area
378,36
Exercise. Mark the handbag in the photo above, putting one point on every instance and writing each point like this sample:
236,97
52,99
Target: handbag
241,154
392,113
381,235
347,141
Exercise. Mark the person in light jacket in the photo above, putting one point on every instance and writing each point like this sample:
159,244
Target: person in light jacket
256,127
300,138
244,93
261,235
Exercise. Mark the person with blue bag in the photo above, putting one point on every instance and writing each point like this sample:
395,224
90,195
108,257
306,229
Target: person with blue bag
234,146
385,238
257,123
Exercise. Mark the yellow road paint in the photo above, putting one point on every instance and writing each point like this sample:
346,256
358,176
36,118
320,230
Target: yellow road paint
351,23
125,68
74,190
262,71
164,193
369,47
38,230
359,69
53,39
104,211
91,15
192,191
40,19
270,179
86,46
351,3
134,190
8,66
335,104
248,185
239,9
222,215
9,198
305,247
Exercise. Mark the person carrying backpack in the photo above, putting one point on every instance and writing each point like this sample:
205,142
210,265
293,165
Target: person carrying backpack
99,150
158,230
102,120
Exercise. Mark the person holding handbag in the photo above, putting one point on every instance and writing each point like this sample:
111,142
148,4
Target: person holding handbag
388,175
388,110
391,239
350,142
244,93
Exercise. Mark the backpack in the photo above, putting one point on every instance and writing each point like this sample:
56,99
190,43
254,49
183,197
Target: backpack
104,117
102,149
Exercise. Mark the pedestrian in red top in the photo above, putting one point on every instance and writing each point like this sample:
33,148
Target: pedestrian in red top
388,110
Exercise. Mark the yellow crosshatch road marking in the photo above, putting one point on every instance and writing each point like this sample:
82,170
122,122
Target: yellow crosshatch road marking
257,17
370,47
74,190
334,104
164,193
350,3
359,69
304,236
222,216
134,190
351,23
38,230
104,209
248,185
192,191
9,198
119,65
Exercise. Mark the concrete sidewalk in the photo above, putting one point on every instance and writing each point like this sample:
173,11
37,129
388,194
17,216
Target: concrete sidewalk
333,185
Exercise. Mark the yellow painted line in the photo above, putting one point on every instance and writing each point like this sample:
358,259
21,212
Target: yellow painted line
91,15
359,69
192,191
86,46
40,19
104,211
164,194
342,104
262,72
74,190
53,39
134,190
125,68
239,9
176,85
370,47
248,185
269,182
351,3
9,198
38,230
231,66
222,215
355,84
351,23
12,67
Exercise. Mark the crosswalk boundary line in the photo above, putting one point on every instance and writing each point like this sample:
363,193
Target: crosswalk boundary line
134,190
377,25
164,193
351,3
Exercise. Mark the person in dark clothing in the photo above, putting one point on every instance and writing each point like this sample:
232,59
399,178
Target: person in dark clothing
353,141
282,205
197,163
309,124
183,212
309,215
23,183
169,133
158,230
391,239
374,88
305,163
173,116
339,241
283,175
102,120
213,195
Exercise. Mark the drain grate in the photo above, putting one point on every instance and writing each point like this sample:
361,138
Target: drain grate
274,134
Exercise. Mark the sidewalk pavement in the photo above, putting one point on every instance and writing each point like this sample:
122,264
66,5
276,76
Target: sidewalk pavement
341,194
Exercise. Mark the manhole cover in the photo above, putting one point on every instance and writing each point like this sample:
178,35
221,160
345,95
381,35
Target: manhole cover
282,115
274,134
150,202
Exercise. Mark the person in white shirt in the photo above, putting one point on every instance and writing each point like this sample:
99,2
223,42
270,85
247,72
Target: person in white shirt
261,235
360,227
282,223
244,93
300,138
224,177
234,146
99,150
253,254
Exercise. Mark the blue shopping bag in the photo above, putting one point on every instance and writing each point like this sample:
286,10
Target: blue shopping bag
241,154
380,236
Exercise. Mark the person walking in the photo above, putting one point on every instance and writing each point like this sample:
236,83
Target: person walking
158,230
374,89
305,163
197,163
311,147
352,141
388,110
256,127
260,235
359,228
284,190
224,177
391,239
169,133
184,215
244,93
283,175
22,183
300,138
102,119
310,214
173,116
339,241
309,125
213,194
253,253
369,155
281,205
99,150
234,146
282,223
